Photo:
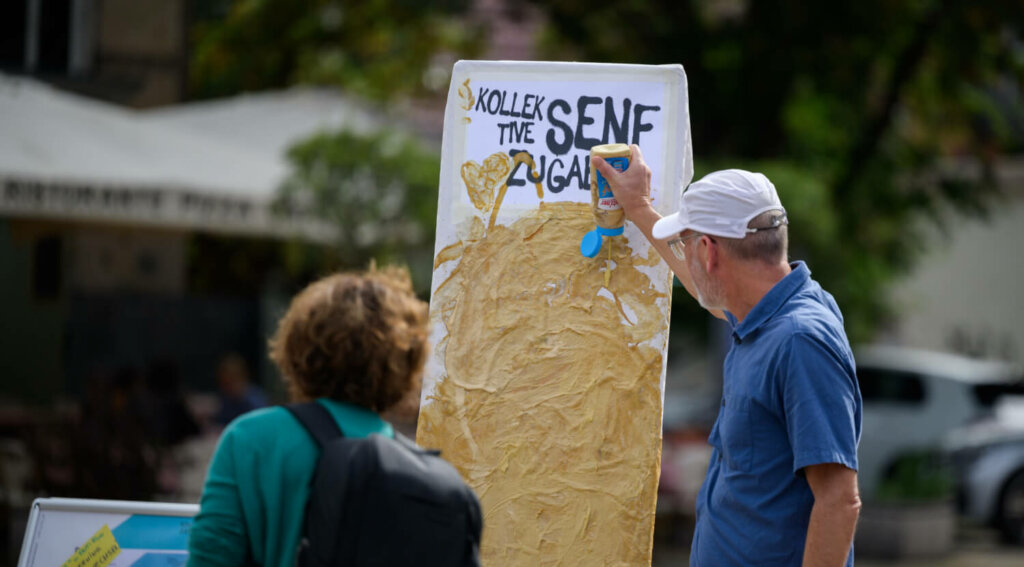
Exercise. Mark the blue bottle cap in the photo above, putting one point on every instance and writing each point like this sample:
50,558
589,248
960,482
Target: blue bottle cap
590,246
611,231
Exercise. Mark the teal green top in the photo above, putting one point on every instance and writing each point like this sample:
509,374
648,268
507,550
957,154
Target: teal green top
256,489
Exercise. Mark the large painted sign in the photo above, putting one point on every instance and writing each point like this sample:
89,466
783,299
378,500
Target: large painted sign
545,385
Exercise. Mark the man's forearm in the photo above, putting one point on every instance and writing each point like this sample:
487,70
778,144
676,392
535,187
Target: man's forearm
632,188
830,534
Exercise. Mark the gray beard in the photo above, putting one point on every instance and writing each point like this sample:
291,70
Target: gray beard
711,299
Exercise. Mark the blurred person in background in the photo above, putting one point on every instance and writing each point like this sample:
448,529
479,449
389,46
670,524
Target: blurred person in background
236,394
170,421
355,343
781,487
113,455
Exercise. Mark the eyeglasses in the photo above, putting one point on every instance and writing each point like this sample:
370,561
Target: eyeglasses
677,245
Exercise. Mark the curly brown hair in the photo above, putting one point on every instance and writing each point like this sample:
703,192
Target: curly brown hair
354,337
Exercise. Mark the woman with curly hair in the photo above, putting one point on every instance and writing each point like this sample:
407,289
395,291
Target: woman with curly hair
355,343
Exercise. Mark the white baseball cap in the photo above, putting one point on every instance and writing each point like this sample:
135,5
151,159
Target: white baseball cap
722,203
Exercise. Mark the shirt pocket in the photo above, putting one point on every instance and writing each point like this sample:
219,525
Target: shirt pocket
736,433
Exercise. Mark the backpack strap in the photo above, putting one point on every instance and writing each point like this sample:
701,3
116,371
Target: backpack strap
317,420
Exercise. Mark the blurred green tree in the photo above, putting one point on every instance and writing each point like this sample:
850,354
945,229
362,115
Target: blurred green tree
379,49
380,189
854,109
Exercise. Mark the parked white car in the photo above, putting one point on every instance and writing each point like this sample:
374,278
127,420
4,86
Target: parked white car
913,399
988,460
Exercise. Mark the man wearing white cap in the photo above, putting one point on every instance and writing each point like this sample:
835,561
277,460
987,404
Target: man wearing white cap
781,488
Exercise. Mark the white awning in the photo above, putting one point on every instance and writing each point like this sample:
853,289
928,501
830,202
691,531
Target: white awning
267,123
211,166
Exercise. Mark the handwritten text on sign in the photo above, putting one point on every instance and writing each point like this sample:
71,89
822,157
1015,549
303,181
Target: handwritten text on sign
557,123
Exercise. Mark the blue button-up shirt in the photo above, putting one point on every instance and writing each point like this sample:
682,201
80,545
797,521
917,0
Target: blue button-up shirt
790,399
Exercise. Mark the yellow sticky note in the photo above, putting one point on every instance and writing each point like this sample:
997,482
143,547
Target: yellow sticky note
99,551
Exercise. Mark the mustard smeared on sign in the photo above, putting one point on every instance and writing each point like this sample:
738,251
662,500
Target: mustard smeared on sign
550,405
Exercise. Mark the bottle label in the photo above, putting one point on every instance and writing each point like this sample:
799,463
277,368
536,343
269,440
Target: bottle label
605,198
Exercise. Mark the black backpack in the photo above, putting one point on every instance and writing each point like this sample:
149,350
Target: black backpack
384,502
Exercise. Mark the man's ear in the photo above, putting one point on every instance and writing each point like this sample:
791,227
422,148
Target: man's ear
712,255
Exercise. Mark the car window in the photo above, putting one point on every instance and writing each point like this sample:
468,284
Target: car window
890,386
988,394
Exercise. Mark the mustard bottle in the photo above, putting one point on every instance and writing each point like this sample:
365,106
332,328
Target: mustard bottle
608,213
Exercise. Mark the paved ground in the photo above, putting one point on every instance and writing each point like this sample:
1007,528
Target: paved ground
975,547
668,557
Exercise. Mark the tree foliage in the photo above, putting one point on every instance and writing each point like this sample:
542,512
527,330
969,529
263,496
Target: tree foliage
379,189
376,48
852,108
